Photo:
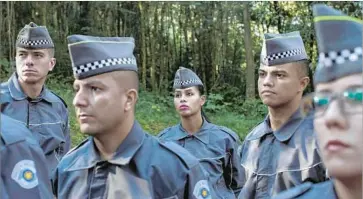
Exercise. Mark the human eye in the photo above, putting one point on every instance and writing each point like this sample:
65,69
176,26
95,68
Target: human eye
38,55
261,74
21,54
321,101
353,95
280,75
95,89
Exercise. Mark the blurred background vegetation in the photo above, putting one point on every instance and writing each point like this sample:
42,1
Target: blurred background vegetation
221,41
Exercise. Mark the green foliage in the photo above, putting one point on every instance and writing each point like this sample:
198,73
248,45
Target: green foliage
215,103
6,67
253,109
205,36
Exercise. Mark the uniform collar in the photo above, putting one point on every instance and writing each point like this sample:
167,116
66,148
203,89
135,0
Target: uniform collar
287,130
282,134
332,188
326,189
125,152
202,134
17,93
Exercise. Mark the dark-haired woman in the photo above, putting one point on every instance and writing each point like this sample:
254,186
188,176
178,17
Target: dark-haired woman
215,146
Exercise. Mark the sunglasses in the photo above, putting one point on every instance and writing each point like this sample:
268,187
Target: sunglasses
349,101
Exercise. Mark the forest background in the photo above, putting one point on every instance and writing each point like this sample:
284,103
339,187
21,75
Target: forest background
220,41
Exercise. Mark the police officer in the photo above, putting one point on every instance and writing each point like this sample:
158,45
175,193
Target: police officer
119,159
23,168
281,151
25,98
337,106
215,146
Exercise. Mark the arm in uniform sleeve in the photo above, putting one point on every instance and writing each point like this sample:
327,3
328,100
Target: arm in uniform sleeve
198,186
3,192
45,187
67,132
322,171
54,182
233,170
242,173
64,148
26,175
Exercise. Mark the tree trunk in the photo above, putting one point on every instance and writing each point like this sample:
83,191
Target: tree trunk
118,20
55,20
143,48
250,75
279,19
10,11
1,26
163,52
153,50
44,13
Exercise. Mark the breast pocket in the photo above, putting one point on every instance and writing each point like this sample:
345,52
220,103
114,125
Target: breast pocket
213,166
51,137
299,169
215,169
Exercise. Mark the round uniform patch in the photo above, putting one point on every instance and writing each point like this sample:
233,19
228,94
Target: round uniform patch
201,190
24,173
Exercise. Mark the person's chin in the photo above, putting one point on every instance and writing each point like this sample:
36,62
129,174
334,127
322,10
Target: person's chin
185,113
269,102
340,169
88,130
30,79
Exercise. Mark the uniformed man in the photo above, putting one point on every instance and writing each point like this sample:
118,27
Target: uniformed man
281,151
337,106
119,160
215,146
25,98
24,172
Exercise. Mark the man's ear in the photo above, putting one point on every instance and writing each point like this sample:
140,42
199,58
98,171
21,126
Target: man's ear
304,82
131,99
52,63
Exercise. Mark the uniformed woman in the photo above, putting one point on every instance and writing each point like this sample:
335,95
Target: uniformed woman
215,146
338,106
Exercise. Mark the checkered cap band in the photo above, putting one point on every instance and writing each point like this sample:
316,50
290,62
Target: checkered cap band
187,82
339,57
103,63
34,42
285,54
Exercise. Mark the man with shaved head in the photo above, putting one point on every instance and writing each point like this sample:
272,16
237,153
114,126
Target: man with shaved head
281,152
119,160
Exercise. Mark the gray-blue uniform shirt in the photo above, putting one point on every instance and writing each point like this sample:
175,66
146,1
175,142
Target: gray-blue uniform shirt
274,161
308,190
46,117
216,147
23,168
142,167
